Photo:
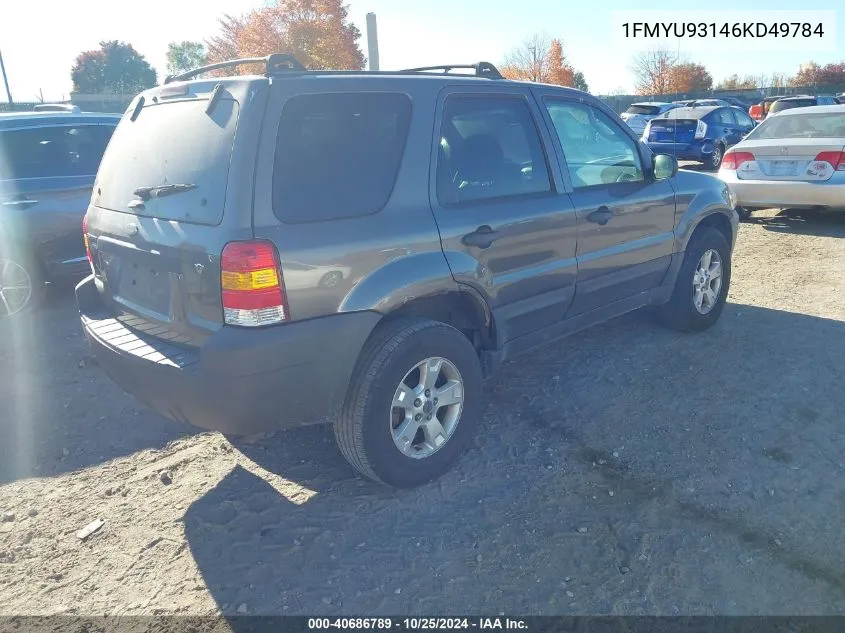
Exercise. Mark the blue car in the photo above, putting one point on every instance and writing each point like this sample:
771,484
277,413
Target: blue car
701,134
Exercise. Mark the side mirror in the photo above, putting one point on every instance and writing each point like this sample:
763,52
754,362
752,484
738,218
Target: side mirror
665,166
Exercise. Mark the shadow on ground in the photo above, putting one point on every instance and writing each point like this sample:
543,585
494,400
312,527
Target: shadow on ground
628,470
804,222
59,411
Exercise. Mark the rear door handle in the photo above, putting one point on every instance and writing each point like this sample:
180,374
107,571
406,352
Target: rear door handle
482,237
600,216
19,203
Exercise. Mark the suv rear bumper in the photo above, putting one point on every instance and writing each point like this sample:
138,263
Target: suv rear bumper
241,381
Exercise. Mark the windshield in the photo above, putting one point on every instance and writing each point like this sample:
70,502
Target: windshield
823,125
643,109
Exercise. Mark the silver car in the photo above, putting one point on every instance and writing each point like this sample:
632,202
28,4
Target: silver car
639,114
795,158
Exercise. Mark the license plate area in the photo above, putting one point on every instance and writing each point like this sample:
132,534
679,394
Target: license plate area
783,168
136,283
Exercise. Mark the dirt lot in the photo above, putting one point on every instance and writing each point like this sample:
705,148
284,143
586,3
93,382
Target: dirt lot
628,470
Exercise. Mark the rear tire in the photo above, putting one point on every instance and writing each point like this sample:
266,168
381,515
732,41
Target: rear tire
682,311
372,427
715,160
21,285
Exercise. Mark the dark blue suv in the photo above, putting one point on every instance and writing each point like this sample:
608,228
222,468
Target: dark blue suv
701,134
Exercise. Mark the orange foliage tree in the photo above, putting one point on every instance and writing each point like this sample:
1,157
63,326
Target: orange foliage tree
316,32
689,78
539,59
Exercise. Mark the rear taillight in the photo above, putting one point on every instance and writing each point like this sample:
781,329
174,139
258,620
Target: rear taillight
700,129
252,286
734,160
646,131
85,240
836,159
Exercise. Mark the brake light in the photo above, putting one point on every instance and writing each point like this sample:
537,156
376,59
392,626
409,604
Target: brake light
836,159
85,240
734,160
252,286
700,129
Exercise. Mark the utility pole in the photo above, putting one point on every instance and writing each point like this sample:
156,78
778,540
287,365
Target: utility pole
372,41
5,79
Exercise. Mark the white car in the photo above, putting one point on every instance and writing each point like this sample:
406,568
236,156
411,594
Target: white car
639,114
793,159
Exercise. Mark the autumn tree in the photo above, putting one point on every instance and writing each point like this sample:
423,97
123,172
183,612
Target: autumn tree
653,71
542,60
689,77
734,82
811,74
316,32
116,67
184,56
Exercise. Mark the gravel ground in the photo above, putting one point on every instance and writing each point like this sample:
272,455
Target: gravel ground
626,470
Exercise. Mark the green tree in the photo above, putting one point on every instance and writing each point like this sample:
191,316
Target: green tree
579,82
184,56
116,68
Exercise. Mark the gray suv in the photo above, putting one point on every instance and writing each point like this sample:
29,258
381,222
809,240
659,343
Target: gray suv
365,247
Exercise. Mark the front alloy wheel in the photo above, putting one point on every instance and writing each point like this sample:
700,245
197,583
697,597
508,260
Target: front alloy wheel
707,281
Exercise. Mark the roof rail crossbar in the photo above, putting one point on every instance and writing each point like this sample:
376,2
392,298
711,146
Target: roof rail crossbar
272,63
482,69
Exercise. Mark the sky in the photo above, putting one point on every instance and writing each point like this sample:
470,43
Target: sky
40,39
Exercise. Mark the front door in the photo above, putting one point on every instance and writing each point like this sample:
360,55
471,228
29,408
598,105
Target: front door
626,218
506,227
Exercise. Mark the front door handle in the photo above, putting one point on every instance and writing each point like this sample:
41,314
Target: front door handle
600,216
482,237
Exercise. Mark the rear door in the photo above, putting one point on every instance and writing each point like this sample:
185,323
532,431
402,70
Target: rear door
507,227
626,219
163,209
724,119
45,186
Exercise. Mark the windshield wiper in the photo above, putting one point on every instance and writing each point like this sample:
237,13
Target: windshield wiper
145,193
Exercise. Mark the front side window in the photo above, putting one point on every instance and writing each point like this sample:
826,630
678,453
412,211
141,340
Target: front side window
725,117
338,154
744,120
52,152
489,148
596,150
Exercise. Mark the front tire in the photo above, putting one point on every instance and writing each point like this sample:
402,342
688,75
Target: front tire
701,288
413,403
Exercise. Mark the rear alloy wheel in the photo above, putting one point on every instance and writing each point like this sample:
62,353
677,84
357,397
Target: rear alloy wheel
413,403
715,160
19,287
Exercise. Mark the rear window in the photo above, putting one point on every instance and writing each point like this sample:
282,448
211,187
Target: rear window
643,109
777,106
827,125
338,154
172,143
52,152
686,113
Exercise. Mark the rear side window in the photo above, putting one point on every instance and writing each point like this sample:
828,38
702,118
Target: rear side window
725,117
338,154
53,152
489,148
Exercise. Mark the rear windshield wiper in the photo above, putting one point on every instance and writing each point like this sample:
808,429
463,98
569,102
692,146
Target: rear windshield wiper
145,193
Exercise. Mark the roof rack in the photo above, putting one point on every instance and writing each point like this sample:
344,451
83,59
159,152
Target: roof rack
482,69
272,63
